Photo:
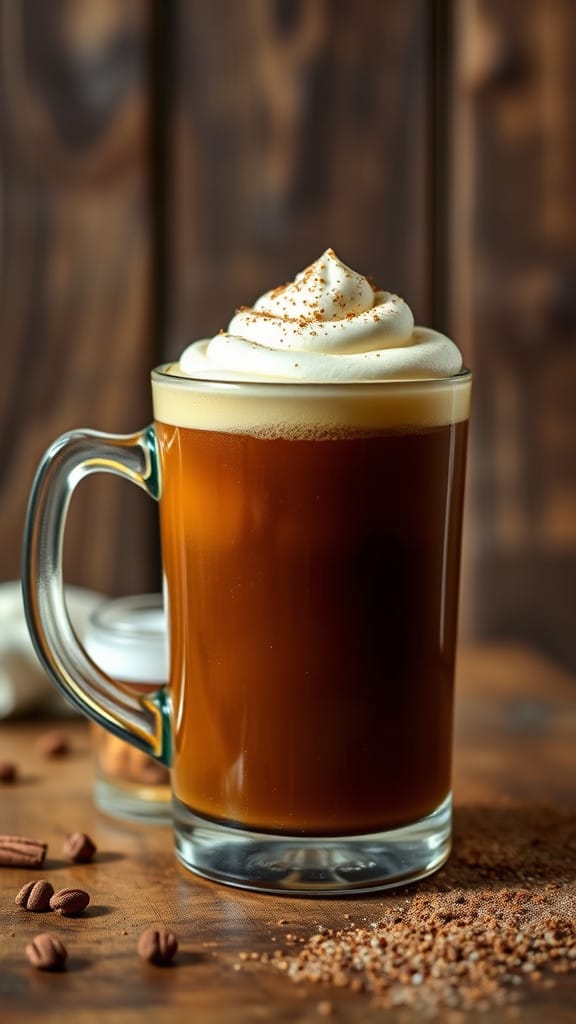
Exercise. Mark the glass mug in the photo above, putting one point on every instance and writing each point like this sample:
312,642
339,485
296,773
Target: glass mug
310,540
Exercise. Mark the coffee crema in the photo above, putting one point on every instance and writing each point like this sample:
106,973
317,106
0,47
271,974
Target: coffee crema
307,410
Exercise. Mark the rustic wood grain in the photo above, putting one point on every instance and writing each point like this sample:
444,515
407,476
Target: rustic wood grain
502,750
162,163
75,267
296,127
514,305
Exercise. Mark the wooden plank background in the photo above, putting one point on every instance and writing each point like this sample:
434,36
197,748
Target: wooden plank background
291,133
75,280
514,273
162,162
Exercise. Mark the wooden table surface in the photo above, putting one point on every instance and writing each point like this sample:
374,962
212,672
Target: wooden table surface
515,739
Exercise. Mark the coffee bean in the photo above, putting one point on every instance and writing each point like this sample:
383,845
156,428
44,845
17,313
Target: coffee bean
79,848
46,952
70,902
157,945
35,896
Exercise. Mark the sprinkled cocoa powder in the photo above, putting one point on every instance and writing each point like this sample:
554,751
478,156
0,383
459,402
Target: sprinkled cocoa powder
500,916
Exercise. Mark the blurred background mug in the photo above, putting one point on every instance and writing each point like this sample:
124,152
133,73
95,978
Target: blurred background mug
311,541
126,637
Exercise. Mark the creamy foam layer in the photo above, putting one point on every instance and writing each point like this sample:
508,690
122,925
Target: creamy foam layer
307,410
329,324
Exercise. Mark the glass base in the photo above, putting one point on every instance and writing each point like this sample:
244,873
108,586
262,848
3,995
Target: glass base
315,866
150,804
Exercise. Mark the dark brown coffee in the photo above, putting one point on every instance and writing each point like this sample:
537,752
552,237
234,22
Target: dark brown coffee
311,589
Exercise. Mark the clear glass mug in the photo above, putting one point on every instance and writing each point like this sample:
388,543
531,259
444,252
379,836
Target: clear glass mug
310,545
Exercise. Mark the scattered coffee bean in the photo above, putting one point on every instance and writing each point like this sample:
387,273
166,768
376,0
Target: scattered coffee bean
79,848
54,743
8,771
158,945
46,952
35,896
70,902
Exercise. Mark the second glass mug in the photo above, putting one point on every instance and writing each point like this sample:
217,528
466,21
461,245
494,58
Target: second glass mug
311,541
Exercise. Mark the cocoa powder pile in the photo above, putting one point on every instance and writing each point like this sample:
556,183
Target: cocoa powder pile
500,916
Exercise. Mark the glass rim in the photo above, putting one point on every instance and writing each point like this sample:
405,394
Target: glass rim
160,374
121,619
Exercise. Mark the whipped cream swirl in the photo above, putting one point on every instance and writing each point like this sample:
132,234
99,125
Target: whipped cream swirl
329,324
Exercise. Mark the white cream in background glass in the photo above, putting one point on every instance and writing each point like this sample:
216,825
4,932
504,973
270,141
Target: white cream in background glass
126,638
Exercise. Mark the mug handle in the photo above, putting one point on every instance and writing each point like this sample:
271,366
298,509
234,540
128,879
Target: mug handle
142,720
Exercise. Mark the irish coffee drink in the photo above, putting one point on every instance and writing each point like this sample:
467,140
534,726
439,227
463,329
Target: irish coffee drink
313,459
309,465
